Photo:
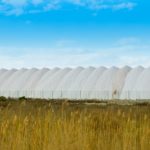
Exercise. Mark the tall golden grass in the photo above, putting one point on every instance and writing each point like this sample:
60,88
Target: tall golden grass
51,126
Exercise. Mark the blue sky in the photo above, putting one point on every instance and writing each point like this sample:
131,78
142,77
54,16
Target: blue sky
48,33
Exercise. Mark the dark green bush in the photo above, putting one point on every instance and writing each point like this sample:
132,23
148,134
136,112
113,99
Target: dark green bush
2,98
22,98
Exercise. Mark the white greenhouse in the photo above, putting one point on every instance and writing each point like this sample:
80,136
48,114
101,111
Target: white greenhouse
77,83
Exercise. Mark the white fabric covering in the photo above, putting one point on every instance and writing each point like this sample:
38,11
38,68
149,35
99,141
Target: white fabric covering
130,82
77,83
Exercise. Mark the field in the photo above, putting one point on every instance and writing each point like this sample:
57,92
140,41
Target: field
27,124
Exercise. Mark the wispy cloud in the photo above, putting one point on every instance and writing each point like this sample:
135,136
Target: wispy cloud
128,52
128,5
15,3
128,41
18,7
51,60
73,60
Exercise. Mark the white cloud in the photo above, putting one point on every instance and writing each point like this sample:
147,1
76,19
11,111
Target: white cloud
65,43
51,6
128,41
128,5
114,5
51,60
37,2
15,2
28,6
119,55
71,60
17,11
135,60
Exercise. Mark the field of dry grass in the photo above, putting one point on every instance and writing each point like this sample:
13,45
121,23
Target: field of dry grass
74,125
